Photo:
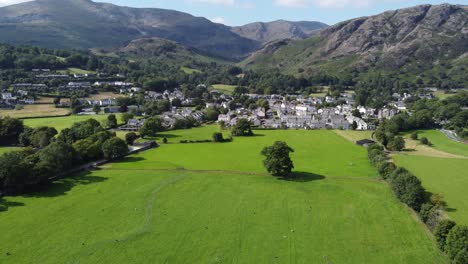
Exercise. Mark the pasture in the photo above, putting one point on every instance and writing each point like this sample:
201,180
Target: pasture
224,88
214,203
446,176
36,110
8,149
441,142
60,123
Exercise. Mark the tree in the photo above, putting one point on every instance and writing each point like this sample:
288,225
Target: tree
425,141
151,127
354,126
461,257
211,113
457,241
130,138
277,161
442,230
111,121
242,128
114,148
57,100
127,116
96,108
386,168
10,129
396,144
218,137
407,188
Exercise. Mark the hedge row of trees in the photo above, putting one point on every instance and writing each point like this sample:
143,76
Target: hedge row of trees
451,238
47,156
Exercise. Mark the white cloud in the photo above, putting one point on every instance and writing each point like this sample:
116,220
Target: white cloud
219,20
292,3
11,2
215,2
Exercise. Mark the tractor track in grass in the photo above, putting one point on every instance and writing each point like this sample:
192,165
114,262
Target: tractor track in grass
141,230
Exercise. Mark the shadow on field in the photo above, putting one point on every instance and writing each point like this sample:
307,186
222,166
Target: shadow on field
300,176
5,204
450,209
257,135
61,187
168,136
130,159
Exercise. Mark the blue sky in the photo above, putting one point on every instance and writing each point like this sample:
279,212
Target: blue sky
238,12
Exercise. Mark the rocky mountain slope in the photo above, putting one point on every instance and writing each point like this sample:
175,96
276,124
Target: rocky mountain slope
86,24
278,30
414,40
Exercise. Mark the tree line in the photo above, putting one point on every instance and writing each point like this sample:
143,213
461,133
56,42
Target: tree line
49,154
451,238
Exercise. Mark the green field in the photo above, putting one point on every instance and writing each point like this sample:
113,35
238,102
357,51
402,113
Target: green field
8,149
188,70
443,143
446,176
60,123
224,88
213,203
75,71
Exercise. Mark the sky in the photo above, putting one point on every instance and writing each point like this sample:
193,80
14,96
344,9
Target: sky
240,12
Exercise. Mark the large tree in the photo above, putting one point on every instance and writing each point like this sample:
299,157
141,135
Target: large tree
242,128
277,161
114,148
457,241
151,127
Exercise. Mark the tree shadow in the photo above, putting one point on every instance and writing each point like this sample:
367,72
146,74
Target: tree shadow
409,150
257,135
301,176
130,159
5,204
448,209
168,136
62,186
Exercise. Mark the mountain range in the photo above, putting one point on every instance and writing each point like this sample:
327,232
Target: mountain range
87,24
421,40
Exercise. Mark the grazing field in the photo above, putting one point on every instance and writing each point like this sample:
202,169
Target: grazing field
76,71
35,110
354,135
188,70
446,176
441,142
60,123
213,203
224,88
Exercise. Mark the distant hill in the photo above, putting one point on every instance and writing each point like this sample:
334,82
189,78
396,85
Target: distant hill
278,30
427,41
86,24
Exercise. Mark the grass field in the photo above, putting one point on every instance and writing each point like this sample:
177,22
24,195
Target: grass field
60,123
443,143
188,70
35,111
224,88
7,149
75,71
213,203
446,176
354,135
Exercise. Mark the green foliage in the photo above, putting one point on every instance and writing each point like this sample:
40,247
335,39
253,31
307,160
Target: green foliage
277,161
407,188
414,136
130,138
111,121
218,137
126,117
457,241
396,144
151,127
442,230
425,141
211,113
386,169
10,130
242,128
114,148
425,211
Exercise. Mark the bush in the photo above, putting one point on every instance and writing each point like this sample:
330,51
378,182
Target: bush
396,144
414,136
457,241
408,189
425,211
165,140
442,230
218,137
425,141
130,138
386,168
461,258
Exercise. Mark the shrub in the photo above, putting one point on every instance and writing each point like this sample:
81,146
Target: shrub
396,144
414,136
461,258
218,137
425,211
425,141
130,138
457,241
165,140
442,230
408,189
386,168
